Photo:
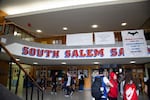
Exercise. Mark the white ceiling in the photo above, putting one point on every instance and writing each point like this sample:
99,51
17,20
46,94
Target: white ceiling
78,19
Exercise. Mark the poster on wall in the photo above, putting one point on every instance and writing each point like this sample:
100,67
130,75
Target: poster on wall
134,43
79,39
104,38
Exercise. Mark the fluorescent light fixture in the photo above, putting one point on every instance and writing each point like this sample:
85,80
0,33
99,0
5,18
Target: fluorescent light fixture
63,63
65,28
123,24
132,62
39,31
35,63
94,26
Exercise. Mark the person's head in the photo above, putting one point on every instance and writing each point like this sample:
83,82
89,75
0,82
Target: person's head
128,77
101,70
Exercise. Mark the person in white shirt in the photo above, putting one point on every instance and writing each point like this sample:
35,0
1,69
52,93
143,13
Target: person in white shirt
69,85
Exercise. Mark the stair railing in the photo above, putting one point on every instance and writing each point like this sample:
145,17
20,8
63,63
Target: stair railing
28,77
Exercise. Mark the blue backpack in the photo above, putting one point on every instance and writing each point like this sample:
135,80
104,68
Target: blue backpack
96,89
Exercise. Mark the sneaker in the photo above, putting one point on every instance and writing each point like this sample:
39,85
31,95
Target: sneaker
66,95
55,93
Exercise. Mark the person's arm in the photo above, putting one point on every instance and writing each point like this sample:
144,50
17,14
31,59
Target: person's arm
107,82
145,89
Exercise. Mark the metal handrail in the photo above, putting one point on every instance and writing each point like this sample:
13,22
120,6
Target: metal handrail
18,26
21,68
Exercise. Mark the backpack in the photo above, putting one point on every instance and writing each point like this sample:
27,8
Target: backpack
96,89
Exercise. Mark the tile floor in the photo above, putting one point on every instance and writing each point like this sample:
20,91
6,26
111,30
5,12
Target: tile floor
85,95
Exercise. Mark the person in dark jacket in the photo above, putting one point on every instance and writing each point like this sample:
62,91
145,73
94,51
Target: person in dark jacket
54,83
147,88
81,81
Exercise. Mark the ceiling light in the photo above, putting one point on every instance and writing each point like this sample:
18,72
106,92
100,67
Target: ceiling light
132,62
39,31
12,63
94,26
63,63
65,28
35,63
123,24
17,59
16,33
96,63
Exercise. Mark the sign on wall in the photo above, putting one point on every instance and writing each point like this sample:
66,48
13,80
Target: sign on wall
134,43
104,37
79,39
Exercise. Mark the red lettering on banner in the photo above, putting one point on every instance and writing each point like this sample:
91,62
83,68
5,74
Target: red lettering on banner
113,52
25,50
82,54
55,54
75,53
89,53
121,52
98,52
32,51
47,53
78,53
39,53
67,53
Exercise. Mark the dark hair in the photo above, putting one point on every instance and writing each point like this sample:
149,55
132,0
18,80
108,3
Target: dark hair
129,77
101,70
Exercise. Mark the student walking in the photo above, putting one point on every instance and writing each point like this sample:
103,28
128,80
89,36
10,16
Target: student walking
113,92
147,88
54,83
81,82
129,88
69,85
105,83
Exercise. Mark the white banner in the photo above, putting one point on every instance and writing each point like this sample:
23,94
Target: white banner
104,38
134,43
79,39
78,53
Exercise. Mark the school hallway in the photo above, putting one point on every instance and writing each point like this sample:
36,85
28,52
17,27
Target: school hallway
85,95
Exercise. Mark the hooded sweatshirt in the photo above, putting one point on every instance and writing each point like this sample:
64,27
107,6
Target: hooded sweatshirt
113,92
